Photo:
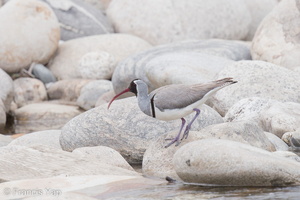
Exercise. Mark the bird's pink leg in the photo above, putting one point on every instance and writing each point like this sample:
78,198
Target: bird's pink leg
188,127
177,138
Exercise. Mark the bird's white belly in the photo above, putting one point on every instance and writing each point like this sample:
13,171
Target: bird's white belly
172,114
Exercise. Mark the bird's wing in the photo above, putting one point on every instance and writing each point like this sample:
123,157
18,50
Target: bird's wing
180,96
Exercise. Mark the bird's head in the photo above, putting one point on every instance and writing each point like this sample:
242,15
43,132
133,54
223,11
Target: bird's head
132,88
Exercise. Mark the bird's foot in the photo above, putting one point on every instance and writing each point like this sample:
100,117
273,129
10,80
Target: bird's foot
174,140
186,132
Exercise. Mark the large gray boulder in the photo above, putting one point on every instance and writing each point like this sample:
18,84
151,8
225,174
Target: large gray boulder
277,37
6,90
256,79
158,157
230,163
184,62
89,20
31,34
124,128
161,22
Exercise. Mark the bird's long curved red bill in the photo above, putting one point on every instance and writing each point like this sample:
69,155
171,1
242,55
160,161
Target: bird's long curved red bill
127,90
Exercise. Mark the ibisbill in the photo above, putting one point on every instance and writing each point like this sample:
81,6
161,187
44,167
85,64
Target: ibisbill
175,101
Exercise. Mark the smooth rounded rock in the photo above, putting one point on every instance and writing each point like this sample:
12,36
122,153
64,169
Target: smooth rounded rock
68,90
29,90
278,143
105,98
159,157
4,140
124,128
89,20
281,118
230,163
43,116
292,139
47,138
161,22
43,73
91,92
184,62
6,89
104,155
249,109
65,63
258,10
256,79
31,34
277,38
97,65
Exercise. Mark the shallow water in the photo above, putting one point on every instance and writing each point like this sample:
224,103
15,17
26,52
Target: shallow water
179,191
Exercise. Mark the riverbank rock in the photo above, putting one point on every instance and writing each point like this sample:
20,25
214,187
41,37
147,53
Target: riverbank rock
256,79
49,162
29,90
292,139
184,62
5,140
124,128
97,65
278,143
22,42
230,163
6,89
249,109
103,154
42,73
67,90
43,116
276,39
281,118
91,92
48,138
158,157
258,10
89,20
213,19
65,63
83,187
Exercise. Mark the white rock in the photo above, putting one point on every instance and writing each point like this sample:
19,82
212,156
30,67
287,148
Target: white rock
91,92
10,149
292,139
258,10
6,89
104,155
184,62
288,154
276,39
81,187
230,163
124,128
43,162
279,144
248,109
65,64
67,90
29,90
256,79
97,65
158,157
31,34
43,116
161,22
105,98
5,140
47,138
281,118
